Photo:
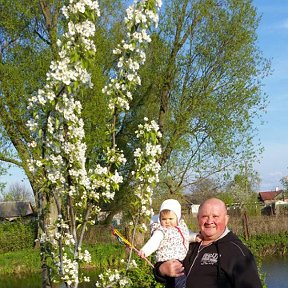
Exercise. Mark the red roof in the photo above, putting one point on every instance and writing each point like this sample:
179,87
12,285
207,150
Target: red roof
269,195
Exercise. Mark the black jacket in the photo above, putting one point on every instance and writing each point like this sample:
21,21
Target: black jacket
226,263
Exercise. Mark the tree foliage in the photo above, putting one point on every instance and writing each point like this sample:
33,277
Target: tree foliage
244,185
201,80
70,188
29,32
204,189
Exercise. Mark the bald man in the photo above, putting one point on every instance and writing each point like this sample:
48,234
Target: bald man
221,260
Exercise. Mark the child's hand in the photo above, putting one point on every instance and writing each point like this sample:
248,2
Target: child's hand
141,254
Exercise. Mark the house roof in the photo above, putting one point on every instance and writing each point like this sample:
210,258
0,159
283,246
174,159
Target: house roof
269,195
13,209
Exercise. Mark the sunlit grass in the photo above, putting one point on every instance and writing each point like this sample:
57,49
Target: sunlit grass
28,260
23,261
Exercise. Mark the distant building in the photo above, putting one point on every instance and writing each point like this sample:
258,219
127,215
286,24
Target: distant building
269,197
116,220
12,210
272,200
194,209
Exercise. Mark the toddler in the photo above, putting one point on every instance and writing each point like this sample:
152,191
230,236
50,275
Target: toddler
170,237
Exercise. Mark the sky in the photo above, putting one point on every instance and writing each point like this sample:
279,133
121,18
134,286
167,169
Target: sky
273,42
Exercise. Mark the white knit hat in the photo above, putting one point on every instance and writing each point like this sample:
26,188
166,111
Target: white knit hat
173,205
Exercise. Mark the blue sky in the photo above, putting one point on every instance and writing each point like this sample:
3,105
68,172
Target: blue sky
273,41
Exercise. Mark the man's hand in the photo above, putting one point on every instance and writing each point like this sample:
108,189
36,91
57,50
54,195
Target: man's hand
171,268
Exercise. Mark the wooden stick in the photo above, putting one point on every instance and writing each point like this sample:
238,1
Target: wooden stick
145,258
128,244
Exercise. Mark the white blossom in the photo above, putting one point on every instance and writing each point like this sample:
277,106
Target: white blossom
62,133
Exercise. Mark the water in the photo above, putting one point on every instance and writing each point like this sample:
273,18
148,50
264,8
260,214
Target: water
276,270
31,281
34,281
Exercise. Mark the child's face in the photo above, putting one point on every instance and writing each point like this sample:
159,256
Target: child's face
169,219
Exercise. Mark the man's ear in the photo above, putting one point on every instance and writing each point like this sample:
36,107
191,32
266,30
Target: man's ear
226,219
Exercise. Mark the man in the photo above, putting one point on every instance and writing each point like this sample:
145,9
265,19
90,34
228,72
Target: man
221,260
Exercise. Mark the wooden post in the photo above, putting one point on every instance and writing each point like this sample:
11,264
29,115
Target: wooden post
245,225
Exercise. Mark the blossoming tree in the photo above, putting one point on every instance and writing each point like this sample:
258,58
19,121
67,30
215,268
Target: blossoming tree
70,194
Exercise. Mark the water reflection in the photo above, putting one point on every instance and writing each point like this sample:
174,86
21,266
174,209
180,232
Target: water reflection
34,281
31,281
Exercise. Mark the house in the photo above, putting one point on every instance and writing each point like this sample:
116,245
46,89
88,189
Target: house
269,197
116,220
12,210
271,200
194,209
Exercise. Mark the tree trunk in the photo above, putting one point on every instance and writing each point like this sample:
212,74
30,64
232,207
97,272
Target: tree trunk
46,277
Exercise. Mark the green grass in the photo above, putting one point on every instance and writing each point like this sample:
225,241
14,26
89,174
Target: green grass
109,254
28,260
18,262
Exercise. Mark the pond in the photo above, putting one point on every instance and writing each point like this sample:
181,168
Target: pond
275,269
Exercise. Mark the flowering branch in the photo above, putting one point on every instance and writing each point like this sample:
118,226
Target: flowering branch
57,130
146,170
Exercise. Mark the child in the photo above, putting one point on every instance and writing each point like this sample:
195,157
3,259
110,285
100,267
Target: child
170,237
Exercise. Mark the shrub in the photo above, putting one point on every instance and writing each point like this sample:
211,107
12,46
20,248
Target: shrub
16,235
268,244
143,276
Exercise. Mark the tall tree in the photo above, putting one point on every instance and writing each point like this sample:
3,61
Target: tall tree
202,81
27,49
70,189
29,31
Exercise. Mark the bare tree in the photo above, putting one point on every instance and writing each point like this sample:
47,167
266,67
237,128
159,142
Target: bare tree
203,188
17,192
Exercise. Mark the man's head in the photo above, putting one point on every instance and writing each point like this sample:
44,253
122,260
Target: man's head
212,219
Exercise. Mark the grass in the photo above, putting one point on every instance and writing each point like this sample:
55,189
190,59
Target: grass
27,261
105,255
20,262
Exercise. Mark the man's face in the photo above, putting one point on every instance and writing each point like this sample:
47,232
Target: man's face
212,219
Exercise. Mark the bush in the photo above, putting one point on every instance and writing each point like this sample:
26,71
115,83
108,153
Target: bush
143,276
17,235
268,244
139,274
